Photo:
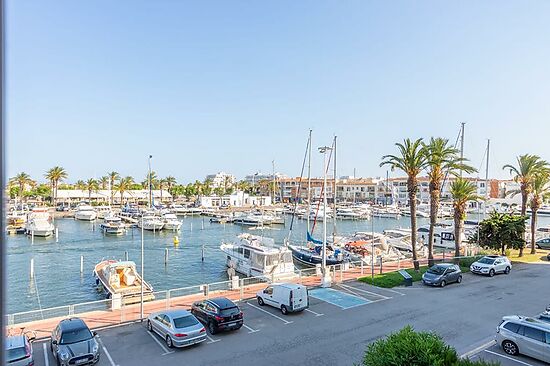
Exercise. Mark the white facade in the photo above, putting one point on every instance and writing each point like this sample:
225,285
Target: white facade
219,179
76,195
237,199
255,178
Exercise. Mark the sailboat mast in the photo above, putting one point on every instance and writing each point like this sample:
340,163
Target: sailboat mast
334,195
309,182
462,144
486,180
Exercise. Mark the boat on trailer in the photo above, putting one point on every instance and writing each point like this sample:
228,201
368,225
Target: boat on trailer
121,278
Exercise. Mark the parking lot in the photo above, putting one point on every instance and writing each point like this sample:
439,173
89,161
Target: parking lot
342,321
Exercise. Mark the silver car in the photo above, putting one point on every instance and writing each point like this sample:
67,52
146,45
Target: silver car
178,328
528,336
19,351
73,343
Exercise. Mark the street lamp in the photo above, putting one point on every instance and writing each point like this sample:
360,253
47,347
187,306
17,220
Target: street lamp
142,243
326,280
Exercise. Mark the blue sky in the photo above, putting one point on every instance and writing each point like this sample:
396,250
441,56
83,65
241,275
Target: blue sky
206,86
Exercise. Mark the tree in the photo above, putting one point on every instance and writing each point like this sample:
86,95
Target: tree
55,175
227,184
161,184
123,185
20,181
411,160
170,183
540,192
463,191
528,166
219,191
441,160
244,186
113,177
206,188
80,184
104,182
91,186
501,231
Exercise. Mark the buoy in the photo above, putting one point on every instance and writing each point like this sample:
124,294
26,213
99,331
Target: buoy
176,240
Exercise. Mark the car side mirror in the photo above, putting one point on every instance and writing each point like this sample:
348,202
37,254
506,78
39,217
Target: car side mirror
54,342
94,333
265,291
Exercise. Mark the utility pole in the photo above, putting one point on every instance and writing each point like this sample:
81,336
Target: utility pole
150,183
462,144
326,280
334,194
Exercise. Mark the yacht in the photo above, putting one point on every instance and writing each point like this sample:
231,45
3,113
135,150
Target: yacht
85,212
348,214
386,212
249,220
103,211
113,225
361,244
444,235
311,254
121,278
254,255
39,223
149,221
171,221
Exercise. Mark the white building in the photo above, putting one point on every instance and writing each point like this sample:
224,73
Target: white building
237,199
256,177
104,195
220,179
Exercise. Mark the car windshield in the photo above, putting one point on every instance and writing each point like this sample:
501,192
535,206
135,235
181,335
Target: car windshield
185,321
229,311
75,336
437,270
486,260
15,354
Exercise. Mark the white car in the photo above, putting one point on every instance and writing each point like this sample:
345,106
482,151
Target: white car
491,264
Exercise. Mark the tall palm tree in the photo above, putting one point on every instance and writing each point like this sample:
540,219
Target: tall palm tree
170,184
540,193
20,181
161,183
91,186
227,183
123,185
411,160
206,187
113,177
80,184
442,159
463,191
104,182
55,175
528,167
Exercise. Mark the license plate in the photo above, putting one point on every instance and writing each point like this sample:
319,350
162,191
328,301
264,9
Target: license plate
232,323
78,362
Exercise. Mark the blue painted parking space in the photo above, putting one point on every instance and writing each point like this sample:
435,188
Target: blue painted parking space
338,298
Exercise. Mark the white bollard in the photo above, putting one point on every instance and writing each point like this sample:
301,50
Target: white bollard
32,268
56,235
32,237
126,256
165,256
81,264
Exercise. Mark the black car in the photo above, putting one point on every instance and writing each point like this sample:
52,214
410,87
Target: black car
218,314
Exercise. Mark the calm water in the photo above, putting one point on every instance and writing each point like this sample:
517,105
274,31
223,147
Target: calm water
57,265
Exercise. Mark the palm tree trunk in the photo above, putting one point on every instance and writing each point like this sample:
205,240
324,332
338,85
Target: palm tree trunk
458,221
412,205
524,196
434,206
534,210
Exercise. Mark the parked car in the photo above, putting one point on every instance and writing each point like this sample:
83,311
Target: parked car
548,256
287,297
19,350
528,336
218,314
73,343
442,274
543,243
178,328
491,264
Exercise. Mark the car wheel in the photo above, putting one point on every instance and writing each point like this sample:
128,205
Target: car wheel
510,348
507,270
284,310
491,272
212,328
459,279
260,301
169,342
443,283
149,326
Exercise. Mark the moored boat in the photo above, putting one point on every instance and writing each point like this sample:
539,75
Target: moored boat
120,278
113,225
85,212
39,223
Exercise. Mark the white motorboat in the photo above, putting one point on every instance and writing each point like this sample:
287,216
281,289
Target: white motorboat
150,222
85,212
171,222
103,211
39,223
113,225
254,255
120,278
386,212
250,220
444,235
348,214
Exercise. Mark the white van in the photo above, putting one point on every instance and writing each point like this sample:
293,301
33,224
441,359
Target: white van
288,297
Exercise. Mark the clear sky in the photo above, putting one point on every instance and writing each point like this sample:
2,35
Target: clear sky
205,86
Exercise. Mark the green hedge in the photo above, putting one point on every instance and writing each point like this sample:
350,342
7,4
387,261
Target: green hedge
410,348
393,279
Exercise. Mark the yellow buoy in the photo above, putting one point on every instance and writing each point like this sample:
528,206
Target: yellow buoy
176,240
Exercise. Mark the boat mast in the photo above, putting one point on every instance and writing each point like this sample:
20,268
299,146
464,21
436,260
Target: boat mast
334,195
486,180
462,144
309,182
325,281
273,177
150,183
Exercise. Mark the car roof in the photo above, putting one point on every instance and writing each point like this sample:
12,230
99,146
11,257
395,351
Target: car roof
291,286
492,256
528,320
222,303
445,264
176,313
15,342
72,324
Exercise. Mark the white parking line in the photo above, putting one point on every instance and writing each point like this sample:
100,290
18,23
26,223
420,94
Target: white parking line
354,293
508,358
273,315
166,351
390,290
250,329
364,291
211,340
46,361
106,352
313,312
478,349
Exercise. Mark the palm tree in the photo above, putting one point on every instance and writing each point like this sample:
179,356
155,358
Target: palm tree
55,175
529,166
170,184
540,192
123,185
91,186
441,160
411,160
20,181
161,183
113,177
104,182
206,187
463,191
80,184
227,184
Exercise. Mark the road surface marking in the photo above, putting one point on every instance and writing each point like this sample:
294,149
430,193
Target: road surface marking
478,349
313,312
106,352
390,290
166,351
509,358
364,291
250,329
46,361
338,298
273,315
212,340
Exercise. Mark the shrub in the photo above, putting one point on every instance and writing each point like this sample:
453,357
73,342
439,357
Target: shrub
408,347
467,262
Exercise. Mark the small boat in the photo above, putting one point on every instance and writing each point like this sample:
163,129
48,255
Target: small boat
312,255
150,222
85,212
39,223
16,224
103,211
113,225
171,222
254,255
121,278
249,220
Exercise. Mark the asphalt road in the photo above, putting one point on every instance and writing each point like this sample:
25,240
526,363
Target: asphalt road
465,315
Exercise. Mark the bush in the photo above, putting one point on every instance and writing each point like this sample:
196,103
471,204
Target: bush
408,347
467,262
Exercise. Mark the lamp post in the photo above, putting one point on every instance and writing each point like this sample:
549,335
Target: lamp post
326,280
